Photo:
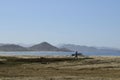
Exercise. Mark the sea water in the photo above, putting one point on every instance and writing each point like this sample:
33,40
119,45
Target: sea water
45,53
37,53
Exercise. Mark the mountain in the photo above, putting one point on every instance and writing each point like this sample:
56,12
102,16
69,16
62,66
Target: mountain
1,44
44,46
12,47
25,45
65,50
78,47
89,49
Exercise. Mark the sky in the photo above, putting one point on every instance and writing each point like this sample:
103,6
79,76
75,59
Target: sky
82,22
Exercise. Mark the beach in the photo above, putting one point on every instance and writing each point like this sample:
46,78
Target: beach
59,68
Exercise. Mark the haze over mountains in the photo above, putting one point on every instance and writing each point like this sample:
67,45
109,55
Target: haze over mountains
44,46
12,47
90,49
1,44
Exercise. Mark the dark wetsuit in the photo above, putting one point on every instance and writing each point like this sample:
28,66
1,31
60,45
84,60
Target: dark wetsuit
76,54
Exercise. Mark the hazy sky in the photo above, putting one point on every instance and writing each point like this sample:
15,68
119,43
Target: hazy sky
84,22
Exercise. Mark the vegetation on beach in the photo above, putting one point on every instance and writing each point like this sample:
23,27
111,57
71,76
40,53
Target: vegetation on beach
57,68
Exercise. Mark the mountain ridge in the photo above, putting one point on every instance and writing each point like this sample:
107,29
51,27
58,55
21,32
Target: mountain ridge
80,48
12,47
44,46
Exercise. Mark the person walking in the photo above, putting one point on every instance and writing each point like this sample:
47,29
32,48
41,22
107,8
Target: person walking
76,54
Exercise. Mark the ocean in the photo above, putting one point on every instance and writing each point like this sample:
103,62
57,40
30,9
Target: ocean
42,53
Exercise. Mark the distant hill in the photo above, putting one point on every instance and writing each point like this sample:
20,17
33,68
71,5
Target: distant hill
89,49
65,49
12,47
1,44
44,46
25,45
78,47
